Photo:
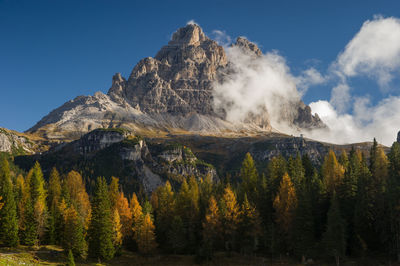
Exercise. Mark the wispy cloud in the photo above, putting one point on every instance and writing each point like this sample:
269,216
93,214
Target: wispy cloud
374,52
267,83
221,38
192,22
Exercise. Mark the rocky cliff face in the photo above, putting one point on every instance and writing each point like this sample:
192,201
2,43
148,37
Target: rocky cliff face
171,92
178,79
118,152
15,143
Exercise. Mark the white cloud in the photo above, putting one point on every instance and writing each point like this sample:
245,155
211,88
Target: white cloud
266,82
309,77
221,38
381,121
374,51
256,84
192,22
340,97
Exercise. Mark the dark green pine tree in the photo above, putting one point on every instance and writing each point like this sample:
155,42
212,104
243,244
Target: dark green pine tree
347,192
100,230
8,214
393,200
249,227
249,177
74,238
334,238
296,170
373,156
177,235
303,232
29,235
363,224
38,196
277,167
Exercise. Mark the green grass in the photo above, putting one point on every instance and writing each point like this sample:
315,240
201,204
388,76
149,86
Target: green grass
46,255
54,255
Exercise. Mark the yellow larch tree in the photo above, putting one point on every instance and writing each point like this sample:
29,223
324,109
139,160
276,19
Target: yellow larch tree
285,203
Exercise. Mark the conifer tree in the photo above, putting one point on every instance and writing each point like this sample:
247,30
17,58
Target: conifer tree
29,226
117,234
74,238
71,260
163,201
54,189
249,177
347,194
249,227
62,209
76,195
38,195
188,210
8,212
114,191
176,235
277,167
206,191
334,238
19,190
344,159
363,211
147,209
137,218
191,215
230,213
100,230
137,213
393,200
332,172
212,228
303,233
285,203
26,221
125,215
379,175
296,170
53,199
146,238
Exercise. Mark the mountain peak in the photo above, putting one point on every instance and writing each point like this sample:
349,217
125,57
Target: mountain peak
191,34
172,91
245,44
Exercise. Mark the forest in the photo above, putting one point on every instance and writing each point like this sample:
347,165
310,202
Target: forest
348,207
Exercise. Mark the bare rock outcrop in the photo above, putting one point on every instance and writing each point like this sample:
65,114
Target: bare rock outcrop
172,91
14,142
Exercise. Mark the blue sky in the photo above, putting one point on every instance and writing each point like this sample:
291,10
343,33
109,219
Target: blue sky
52,51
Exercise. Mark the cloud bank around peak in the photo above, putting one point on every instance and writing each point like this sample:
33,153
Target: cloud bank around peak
266,82
259,83
255,84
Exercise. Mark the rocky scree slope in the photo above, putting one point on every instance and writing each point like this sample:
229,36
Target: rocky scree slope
171,92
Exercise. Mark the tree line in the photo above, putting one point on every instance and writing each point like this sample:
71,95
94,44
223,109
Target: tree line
348,206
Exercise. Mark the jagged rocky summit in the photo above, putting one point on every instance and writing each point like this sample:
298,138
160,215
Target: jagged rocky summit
172,92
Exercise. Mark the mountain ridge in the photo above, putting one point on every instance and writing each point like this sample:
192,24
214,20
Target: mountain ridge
171,92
